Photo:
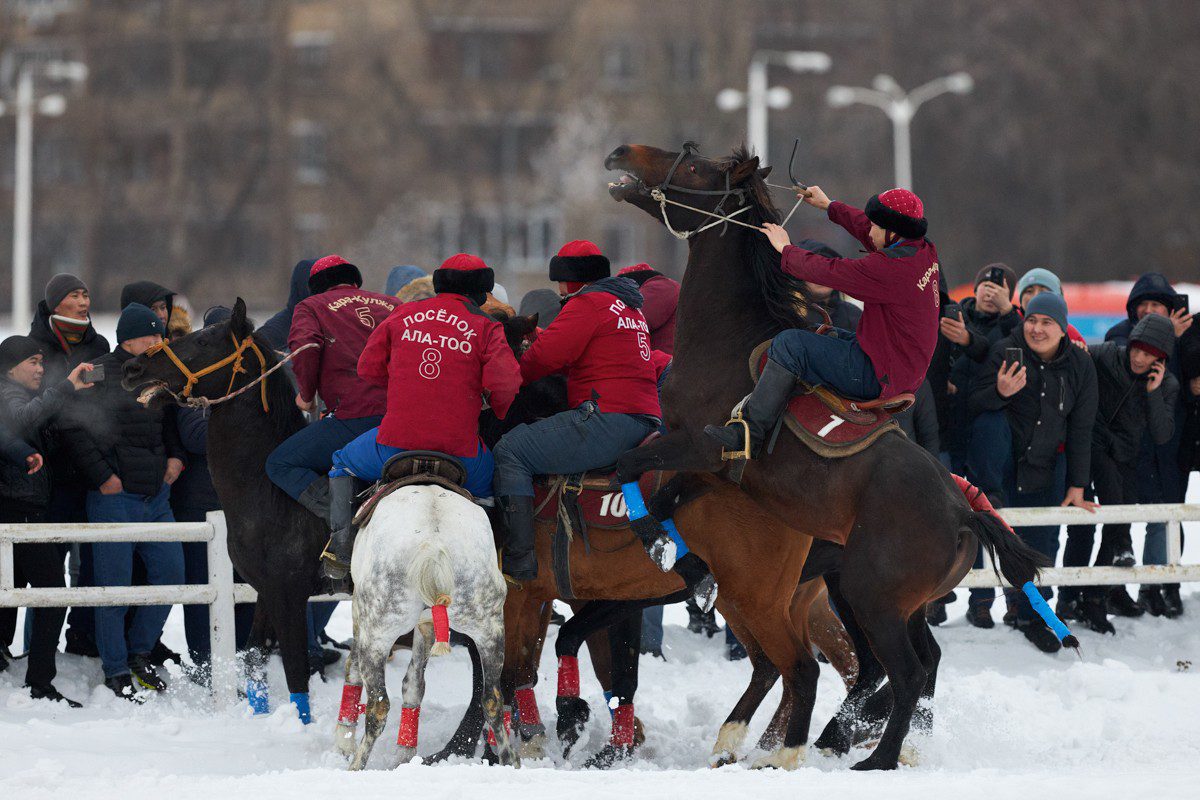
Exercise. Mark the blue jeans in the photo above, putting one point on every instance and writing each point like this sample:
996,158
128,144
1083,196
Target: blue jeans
364,458
112,565
652,629
835,362
307,453
991,467
564,444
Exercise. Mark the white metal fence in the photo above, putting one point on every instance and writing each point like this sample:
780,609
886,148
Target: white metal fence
221,593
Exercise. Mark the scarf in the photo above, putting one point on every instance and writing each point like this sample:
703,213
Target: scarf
68,331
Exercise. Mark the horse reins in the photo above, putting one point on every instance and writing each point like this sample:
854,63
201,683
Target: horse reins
184,398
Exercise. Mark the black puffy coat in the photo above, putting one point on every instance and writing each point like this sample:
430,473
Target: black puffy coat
1126,411
28,415
1151,286
967,364
193,495
1056,406
122,437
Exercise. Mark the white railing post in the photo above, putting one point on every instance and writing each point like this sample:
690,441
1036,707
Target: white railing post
7,574
1174,542
221,635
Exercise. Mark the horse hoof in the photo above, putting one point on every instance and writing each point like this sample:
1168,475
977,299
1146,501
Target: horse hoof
718,760
608,756
873,762
404,755
909,755
731,737
534,747
787,758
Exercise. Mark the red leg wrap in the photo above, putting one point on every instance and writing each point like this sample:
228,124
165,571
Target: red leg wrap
507,728
527,707
410,719
441,624
622,726
568,676
351,707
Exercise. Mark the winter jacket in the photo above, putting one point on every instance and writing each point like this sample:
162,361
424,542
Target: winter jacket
1057,406
1126,410
275,330
1188,349
436,358
899,289
59,358
13,449
193,492
122,437
842,313
340,321
147,293
1151,286
28,416
920,422
661,298
602,341
967,363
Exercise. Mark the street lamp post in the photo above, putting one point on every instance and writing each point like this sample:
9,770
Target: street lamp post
759,97
24,107
900,106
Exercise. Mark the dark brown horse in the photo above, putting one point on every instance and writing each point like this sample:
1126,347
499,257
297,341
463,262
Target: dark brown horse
894,527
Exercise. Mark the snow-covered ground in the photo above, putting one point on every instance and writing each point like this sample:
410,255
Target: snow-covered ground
1010,720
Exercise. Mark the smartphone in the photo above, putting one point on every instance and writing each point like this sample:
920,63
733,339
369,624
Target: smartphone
952,310
1181,302
94,375
995,275
1014,355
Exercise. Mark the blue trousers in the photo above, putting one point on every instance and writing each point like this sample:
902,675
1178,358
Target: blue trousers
364,459
112,565
568,442
835,362
307,454
652,629
991,467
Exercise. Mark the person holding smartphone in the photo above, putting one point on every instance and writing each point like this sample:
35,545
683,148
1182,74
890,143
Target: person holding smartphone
1031,441
1137,397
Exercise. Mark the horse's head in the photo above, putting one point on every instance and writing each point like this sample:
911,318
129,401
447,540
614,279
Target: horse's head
687,177
161,378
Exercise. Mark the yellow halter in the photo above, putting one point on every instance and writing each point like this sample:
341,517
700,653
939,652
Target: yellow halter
234,358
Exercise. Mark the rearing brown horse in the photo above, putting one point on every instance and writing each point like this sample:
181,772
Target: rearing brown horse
893,525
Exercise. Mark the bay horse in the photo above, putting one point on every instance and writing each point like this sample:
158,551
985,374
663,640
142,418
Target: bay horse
894,528
757,561
424,562
274,543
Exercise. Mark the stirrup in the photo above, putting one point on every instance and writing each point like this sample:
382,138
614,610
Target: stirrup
331,564
744,453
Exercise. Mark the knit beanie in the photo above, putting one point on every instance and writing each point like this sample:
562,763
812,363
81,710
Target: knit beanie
331,271
217,314
1039,277
1153,334
1050,305
16,349
1010,277
399,277
59,287
579,261
465,274
136,321
899,211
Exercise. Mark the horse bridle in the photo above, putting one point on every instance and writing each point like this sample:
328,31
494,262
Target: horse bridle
235,358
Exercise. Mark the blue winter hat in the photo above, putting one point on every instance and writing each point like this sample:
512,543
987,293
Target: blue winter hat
1039,277
217,314
399,277
1049,305
136,321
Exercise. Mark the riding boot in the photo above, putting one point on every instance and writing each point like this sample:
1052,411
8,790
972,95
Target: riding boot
760,411
697,577
520,559
315,497
337,555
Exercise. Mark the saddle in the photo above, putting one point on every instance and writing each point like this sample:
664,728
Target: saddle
830,425
415,468
579,503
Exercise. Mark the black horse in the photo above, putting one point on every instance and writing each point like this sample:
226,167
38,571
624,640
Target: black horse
274,542
895,529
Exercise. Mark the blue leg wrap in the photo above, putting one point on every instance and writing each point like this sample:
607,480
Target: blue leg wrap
635,504
1044,611
256,696
302,708
681,547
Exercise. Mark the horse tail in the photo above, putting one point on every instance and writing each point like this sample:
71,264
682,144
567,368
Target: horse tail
430,573
1017,561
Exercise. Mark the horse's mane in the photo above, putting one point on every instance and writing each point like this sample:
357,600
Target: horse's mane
785,296
285,418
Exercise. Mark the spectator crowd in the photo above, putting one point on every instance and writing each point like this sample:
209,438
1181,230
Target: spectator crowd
1014,400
